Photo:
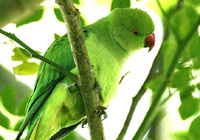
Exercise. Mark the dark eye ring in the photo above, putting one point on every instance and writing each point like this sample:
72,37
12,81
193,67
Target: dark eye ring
135,32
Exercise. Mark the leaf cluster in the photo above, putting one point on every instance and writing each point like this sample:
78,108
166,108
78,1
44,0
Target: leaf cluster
181,40
11,110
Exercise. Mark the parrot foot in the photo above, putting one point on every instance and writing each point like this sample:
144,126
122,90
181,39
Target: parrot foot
84,123
105,115
101,111
73,87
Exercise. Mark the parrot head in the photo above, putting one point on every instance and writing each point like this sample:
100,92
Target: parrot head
132,29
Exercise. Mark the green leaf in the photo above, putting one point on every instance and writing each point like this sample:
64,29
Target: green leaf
26,68
82,21
194,129
192,49
18,125
120,4
169,49
198,86
76,2
189,107
168,5
196,63
20,54
155,83
183,20
181,78
192,2
58,14
36,16
56,36
4,121
21,109
2,138
182,135
8,98
186,92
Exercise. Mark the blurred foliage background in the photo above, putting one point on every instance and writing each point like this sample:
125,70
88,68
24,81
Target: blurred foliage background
177,67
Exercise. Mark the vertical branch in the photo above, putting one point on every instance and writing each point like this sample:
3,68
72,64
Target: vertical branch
86,79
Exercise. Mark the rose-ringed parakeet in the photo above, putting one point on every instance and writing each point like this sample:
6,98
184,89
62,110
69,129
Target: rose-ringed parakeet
56,104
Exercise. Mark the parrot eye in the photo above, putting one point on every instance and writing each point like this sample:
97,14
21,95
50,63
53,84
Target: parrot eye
135,32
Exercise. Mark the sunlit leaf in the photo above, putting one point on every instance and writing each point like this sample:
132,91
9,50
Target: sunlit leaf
181,78
189,107
198,86
56,36
193,2
196,63
103,2
8,98
21,109
195,128
20,54
183,20
82,21
58,14
120,4
4,121
2,138
76,1
155,83
192,49
168,5
169,48
27,68
36,16
183,135
18,125
186,92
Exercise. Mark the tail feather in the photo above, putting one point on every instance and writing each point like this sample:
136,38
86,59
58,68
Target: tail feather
33,128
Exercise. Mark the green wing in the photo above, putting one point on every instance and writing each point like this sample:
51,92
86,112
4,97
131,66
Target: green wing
47,78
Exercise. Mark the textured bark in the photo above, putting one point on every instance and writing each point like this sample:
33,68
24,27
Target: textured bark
86,79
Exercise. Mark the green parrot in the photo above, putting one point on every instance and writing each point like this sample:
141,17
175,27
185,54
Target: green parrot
56,107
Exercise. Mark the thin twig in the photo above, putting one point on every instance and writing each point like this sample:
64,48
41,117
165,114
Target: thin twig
138,96
36,55
86,79
168,97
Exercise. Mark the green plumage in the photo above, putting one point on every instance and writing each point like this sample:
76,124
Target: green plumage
55,102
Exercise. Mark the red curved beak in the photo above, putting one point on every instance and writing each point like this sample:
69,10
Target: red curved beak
150,41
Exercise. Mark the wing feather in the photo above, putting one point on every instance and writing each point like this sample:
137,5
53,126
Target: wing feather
47,78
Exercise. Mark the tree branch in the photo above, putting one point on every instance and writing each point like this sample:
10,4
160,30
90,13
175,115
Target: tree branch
87,82
136,99
36,55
